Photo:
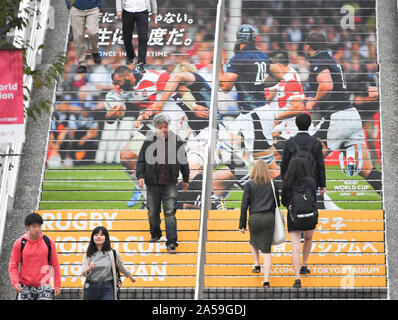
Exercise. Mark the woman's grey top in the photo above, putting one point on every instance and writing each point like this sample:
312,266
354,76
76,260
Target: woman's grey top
103,267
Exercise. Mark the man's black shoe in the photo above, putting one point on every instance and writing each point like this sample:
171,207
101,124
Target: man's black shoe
171,248
154,239
140,67
82,69
96,57
129,60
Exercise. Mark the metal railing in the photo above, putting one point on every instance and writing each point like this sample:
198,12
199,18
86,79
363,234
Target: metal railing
36,12
209,159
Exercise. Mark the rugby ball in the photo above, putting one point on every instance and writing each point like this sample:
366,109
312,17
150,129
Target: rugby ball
113,99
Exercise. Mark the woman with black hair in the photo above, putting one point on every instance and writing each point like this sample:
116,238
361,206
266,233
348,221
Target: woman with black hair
101,265
297,176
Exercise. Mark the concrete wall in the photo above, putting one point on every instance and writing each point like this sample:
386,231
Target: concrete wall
31,169
387,32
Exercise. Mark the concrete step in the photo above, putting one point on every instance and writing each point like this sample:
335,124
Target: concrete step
241,293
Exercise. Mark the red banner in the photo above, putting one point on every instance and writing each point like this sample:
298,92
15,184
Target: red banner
11,96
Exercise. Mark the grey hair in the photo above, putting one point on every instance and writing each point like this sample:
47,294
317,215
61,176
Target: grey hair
161,118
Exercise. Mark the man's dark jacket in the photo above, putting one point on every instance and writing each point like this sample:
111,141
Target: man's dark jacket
304,139
146,167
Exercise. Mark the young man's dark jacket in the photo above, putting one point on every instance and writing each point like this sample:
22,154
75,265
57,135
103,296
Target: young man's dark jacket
146,168
303,138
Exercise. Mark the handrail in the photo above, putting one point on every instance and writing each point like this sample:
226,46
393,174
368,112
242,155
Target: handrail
209,159
33,34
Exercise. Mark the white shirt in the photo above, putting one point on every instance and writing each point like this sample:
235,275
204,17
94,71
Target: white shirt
135,5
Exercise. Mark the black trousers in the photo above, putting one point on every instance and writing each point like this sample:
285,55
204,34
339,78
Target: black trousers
130,20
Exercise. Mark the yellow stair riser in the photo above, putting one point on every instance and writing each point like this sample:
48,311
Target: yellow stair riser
343,282
239,259
287,270
329,214
193,214
165,269
143,225
348,249
313,259
215,247
177,259
149,281
71,236
142,281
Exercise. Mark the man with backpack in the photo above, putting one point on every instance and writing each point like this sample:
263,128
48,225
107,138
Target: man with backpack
302,145
37,257
302,171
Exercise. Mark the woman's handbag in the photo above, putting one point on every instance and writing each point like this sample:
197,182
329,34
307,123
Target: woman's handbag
279,229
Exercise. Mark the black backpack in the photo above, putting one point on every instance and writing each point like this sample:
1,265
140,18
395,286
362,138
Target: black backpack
48,243
302,209
304,151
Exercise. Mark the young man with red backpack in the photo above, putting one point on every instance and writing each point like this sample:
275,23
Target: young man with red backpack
36,255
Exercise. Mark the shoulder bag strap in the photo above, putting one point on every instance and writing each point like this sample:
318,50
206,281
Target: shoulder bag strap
23,242
273,191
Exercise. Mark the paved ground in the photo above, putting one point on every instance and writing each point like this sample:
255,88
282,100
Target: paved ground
28,188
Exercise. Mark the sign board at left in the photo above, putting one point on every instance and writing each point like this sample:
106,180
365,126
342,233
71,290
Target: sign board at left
11,96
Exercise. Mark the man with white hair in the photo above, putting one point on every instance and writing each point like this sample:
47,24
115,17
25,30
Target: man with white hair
134,92
162,157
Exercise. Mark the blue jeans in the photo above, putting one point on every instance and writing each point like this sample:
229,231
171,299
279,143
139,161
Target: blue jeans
99,291
156,196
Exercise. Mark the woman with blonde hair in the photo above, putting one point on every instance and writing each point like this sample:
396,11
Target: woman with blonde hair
258,197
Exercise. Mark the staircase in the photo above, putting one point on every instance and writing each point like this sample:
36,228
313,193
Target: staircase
348,253
348,257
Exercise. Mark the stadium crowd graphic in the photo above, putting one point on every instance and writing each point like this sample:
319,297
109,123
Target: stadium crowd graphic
94,153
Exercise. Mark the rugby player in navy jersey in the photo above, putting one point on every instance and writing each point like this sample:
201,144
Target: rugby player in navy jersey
250,71
328,94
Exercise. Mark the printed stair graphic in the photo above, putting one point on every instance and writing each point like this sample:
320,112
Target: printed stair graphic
348,249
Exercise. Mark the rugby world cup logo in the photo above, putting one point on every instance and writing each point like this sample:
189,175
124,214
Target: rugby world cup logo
350,166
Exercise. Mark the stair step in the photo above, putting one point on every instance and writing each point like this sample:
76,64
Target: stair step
236,258
242,293
243,270
185,225
239,281
195,214
226,247
347,248
230,236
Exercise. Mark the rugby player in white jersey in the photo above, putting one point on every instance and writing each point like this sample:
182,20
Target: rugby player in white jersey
134,92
